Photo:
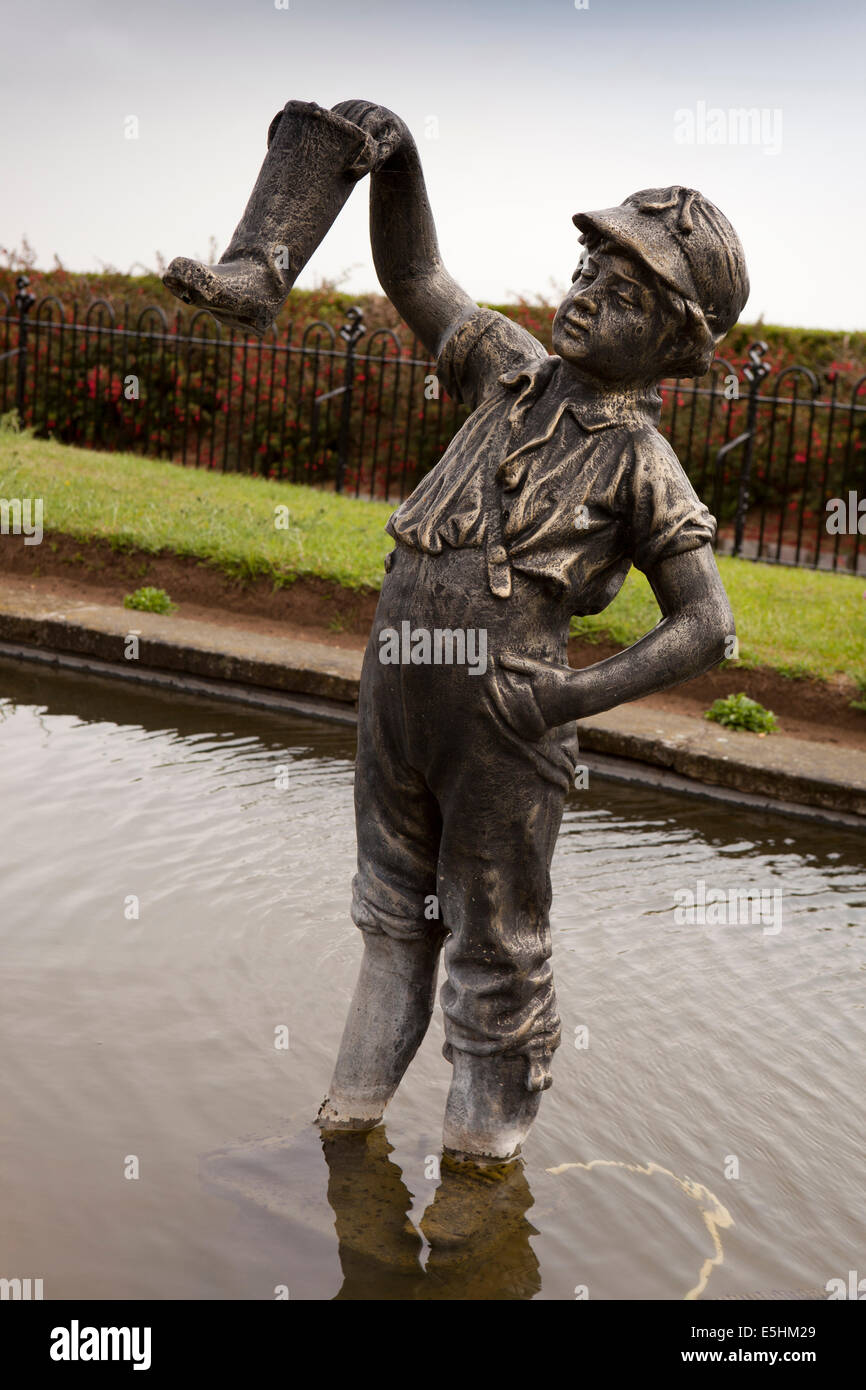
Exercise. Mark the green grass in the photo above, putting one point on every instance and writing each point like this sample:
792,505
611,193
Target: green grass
226,519
799,622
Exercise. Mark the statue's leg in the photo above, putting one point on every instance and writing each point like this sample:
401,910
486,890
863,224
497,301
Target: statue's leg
500,823
393,902
489,1111
388,1017
314,159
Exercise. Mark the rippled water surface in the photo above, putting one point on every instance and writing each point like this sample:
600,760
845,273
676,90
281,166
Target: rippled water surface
714,1120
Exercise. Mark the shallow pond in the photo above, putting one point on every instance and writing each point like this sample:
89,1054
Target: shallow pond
704,1136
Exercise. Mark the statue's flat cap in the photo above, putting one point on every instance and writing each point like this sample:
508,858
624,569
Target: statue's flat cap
687,242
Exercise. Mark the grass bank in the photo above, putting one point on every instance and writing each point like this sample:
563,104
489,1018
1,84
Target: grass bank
225,519
798,623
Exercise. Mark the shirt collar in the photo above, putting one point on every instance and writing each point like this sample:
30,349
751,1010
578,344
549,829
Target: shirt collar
593,410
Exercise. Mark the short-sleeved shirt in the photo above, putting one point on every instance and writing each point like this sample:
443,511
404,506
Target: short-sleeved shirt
552,478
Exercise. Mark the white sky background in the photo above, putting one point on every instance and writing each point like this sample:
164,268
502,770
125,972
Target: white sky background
543,110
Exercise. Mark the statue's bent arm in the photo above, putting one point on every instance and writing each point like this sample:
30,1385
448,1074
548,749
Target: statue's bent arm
691,637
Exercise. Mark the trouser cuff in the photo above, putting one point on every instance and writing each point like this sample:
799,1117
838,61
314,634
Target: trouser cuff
538,1054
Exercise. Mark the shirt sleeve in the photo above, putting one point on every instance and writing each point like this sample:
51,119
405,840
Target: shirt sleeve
477,353
665,515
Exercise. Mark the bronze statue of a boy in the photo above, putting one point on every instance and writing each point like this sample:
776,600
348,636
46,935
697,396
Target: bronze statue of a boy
556,485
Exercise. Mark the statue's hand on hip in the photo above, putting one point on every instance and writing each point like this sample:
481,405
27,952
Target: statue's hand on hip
531,696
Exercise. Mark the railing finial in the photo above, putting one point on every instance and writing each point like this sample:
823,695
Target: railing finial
755,369
354,328
24,300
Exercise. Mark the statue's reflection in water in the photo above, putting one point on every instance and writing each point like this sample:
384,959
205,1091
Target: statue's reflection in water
476,1227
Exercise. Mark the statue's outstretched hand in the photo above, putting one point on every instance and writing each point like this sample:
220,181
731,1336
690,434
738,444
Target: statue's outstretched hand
386,130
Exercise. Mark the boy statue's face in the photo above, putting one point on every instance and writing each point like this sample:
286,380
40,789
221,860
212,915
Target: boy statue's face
615,324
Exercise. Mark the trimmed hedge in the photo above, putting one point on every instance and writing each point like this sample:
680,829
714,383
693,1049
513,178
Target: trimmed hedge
819,349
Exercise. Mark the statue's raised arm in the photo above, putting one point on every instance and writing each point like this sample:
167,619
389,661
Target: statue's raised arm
403,234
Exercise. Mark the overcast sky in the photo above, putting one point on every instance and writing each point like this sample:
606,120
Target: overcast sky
525,112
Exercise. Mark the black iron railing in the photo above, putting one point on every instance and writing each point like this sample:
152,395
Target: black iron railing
363,413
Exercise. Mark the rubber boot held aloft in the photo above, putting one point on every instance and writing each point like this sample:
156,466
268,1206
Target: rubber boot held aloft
315,157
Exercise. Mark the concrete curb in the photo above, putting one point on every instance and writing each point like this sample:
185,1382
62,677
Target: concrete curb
322,681
306,668
737,771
